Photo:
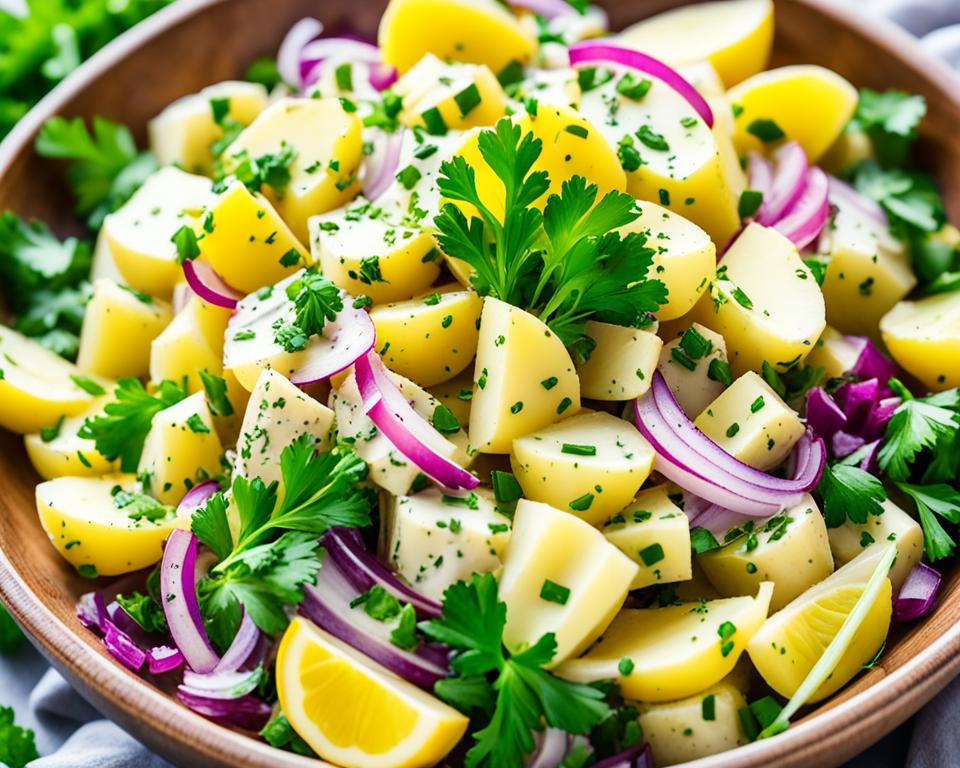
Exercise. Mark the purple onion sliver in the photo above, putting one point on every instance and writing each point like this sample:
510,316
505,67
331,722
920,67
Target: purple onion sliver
162,659
209,286
803,221
121,647
634,757
349,337
249,712
823,414
92,611
916,596
789,179
291,50
869,461
548,9
843,444
871,362
846,197
197,496
552,745
244,643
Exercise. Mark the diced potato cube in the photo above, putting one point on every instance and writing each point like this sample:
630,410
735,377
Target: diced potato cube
621,365
456,394
434,541
185,131
277,414
560,575
181,351
689,377
768,307
791,550
923,336
104,265
851,539
750,421
140,233
63,453
431,338
181,448
833,352
118,327
590,465
850,148
655,534
525,379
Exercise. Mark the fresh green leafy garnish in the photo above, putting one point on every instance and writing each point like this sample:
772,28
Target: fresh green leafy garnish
17,746
276,550
280,734
931,501
567,264
890,120
909,198
271,169
145,611
120,431
140,506
263,70
316,301
11,638
849,493
918,425
793,383
215,389
512,692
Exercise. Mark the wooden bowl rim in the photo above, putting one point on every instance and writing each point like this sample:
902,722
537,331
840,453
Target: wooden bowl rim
884,705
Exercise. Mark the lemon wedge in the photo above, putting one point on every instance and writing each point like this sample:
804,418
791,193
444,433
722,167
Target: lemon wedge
790,642
356,713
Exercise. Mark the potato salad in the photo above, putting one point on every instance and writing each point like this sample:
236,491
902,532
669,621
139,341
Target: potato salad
509,392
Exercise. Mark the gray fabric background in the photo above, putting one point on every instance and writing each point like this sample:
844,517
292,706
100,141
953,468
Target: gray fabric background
71,734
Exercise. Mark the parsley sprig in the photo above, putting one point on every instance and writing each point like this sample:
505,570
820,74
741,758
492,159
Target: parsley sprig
566,264
890,120
316,301
276,550
17,745
511,692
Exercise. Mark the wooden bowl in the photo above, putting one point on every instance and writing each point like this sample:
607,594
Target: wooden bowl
197,42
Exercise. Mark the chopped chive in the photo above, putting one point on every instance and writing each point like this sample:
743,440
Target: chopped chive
579,450
554,593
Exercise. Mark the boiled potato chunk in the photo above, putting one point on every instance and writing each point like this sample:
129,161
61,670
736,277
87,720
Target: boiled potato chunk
770,307
734,36
432,338
210,319
670,156
37,387
793,639
676,651
367,253
118,327
181,447
277,414
246,241
104,265
869,271
439,96
850,148
684,257
560,575
791,550
851,539
328,146
689,377
140,234
699,726
183,133
590,465
810,104
456,394
477,31
93,533
923,336
655,534
834,352
181,351
434,541
63,453
525,379
750,421
621,365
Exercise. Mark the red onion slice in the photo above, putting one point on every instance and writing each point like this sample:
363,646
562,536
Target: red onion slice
243,645
789,179
178,586
634,757
121,647
916,596
92,611
381,76
381,166
162,659
222,685
552,746
409,432
548,9
250,712
196,497
823,414
592,51
842,444
290,54
805,219
344,341
718,521
871,362
209,286
846,197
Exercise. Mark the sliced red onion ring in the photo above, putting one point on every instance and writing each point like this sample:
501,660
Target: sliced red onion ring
181,295
868,463
552,745
871,362
846,197
916,596
92,611
222,685
548,9
842,444
591,51
344,341
789,179
250,712
718,521
759,173
858,399
291,51
805,219
209,286
876,423
409,432
243,645
163,658
196,497
381,76
634,757
121,647
178,585
823,414
381,166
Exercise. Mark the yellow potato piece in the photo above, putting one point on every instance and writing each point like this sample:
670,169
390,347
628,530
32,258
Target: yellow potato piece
792,640
118,328
850,148
183,133
477,31
60,455
676,651
181,351
811,105
834,353
432,338
924,338
104,265
770,307
37,387
456,394
735,36
89,530
684,257
590,465
181,448
560,575
655,534
524,378
688,378
248,244
791,550
140,234
621,365
328,146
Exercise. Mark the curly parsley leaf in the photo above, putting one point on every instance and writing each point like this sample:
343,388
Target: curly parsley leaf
17,745
890,120
933,501
849,492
